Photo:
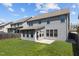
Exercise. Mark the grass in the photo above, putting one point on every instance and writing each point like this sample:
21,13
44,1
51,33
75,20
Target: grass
18,47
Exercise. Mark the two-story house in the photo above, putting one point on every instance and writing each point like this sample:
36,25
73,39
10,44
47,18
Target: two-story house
4,27
53,25
15,26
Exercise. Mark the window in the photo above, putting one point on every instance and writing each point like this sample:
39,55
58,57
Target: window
30,24
47,32
17,24
40,34
62,19
20,23
48,22
23,34
39,22
27,35
51,33
18,31
55,33
31,35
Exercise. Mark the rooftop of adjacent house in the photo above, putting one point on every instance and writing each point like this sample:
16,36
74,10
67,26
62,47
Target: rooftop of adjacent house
21,20
3,24
50,14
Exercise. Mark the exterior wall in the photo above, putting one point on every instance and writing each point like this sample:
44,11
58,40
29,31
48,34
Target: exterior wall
6,28
25,24
1,28
16,25
55,23
62,28
41,31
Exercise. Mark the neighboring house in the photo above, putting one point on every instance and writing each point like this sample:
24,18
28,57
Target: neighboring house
4,27
52,26
1,28
15,26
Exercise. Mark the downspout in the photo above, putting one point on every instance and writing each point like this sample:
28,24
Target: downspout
67,25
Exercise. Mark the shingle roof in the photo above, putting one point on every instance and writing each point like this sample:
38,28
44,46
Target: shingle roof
5,24
32,27
50,14
22,20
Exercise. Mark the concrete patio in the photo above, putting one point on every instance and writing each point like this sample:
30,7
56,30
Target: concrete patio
45,41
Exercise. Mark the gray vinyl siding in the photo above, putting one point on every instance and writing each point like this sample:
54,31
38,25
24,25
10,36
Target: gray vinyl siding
61,27
55,23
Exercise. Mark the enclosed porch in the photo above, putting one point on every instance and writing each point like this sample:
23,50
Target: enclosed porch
31,33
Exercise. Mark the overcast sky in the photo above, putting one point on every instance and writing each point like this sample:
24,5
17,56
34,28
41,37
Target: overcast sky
15,11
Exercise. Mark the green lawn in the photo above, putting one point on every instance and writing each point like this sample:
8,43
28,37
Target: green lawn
29,48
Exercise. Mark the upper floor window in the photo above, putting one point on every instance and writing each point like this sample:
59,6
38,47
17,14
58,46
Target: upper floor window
39,22
48,22
20,23
17,24
62,18
30,24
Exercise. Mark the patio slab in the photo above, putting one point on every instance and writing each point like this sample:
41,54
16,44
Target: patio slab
45,41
